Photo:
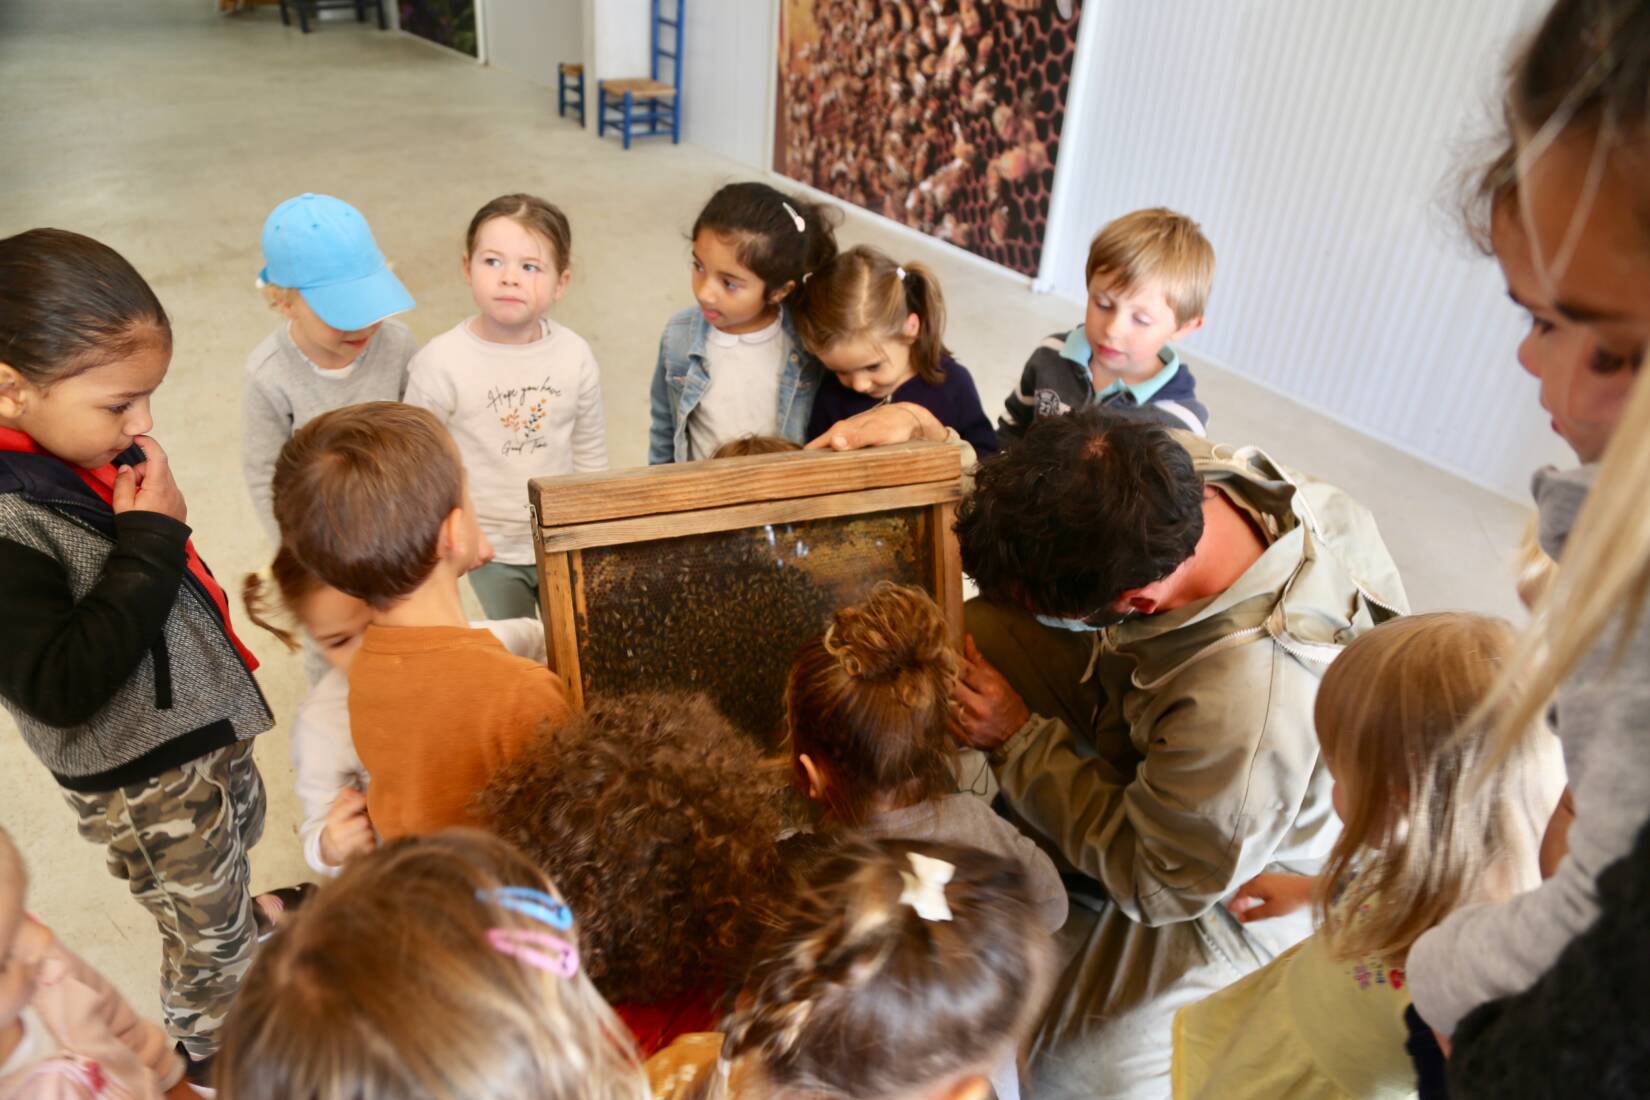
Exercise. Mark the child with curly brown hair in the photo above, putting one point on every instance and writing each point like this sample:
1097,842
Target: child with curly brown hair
867,704
659,823
902,969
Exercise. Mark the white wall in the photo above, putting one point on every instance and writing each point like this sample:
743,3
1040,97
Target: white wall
731,52
531,37
623,40
1315,141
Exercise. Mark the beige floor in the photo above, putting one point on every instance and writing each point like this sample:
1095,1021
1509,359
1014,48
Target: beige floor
170,133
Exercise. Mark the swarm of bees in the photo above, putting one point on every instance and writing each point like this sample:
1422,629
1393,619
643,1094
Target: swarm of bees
725,613
941,114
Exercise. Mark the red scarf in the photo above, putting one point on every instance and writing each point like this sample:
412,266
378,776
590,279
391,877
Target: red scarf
102,482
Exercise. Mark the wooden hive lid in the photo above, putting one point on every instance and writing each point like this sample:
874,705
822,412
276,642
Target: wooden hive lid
575,499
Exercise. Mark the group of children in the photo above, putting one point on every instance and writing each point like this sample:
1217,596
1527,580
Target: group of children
385,473
632,899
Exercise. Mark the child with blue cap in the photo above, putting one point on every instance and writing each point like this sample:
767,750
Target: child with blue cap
324,274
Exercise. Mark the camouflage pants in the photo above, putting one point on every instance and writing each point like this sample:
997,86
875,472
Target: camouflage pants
180,840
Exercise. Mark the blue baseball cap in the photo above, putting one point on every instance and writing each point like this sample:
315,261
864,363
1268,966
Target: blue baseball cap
322,247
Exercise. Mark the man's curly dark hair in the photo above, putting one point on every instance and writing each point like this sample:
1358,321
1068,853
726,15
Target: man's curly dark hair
659,824
1083,508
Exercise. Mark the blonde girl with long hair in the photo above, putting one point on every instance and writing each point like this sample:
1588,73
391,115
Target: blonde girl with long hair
903,970
442,967
1426,831
1578,106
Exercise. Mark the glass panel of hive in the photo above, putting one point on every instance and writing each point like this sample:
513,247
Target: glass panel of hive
724,613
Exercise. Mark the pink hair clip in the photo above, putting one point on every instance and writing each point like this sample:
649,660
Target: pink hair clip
541,950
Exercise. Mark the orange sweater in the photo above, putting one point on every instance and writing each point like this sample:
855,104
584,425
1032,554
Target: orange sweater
433,710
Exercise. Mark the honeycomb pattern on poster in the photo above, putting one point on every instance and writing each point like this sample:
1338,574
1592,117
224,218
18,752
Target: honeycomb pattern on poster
725,613
941,114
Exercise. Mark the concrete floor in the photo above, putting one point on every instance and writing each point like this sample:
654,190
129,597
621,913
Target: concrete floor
170,133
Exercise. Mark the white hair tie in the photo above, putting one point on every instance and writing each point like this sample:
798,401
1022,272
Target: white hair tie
801,226
925,886
900,271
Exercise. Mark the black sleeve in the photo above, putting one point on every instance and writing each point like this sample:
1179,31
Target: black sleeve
62,661
1583,1029
1427,1057
972,422
1017,415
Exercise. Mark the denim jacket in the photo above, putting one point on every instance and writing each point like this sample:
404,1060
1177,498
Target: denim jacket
682,376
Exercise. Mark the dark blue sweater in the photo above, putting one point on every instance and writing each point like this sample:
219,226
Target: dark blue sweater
954,402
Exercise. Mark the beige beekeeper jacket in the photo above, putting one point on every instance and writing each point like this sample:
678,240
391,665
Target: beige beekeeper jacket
1173,757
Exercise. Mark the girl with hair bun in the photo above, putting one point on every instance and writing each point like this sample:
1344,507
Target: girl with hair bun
866,704
903,969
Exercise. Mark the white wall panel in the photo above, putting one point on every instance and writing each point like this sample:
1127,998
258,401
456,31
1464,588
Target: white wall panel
731,51
1317,142
531,37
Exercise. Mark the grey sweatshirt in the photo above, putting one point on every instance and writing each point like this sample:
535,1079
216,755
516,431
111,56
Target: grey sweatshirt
1602,718
284,391
965,819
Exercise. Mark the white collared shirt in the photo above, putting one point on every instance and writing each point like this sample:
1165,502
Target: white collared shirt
743,396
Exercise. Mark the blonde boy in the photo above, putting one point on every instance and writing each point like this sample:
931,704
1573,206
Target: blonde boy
324,274
1149,275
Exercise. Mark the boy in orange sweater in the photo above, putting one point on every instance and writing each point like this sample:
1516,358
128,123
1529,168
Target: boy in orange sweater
373,499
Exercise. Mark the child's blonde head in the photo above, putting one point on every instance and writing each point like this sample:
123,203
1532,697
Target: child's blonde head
1422,824
866,703
858,994
1160,247
393,983
864,295
537,216
281,299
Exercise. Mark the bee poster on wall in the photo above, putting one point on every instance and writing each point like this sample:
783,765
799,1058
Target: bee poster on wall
943,115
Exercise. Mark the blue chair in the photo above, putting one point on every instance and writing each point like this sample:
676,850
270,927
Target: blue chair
628,105
570,79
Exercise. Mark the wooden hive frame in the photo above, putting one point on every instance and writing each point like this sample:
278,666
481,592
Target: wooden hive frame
645,504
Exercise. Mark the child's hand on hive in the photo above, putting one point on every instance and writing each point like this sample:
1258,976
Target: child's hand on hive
148,486
1271,894
348,829
879,427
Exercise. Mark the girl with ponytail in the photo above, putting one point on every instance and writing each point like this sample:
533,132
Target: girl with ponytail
879,329
903,969
731,365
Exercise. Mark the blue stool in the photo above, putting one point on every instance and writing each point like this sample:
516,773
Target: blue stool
570,79
631,104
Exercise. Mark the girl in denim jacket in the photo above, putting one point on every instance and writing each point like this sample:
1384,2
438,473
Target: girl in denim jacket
732,366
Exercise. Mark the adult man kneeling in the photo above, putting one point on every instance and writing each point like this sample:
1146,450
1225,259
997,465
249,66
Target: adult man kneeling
1156,613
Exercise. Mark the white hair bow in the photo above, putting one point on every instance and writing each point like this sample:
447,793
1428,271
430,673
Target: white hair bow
925,886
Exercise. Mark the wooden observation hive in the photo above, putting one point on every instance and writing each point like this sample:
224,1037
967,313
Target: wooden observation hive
707,576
